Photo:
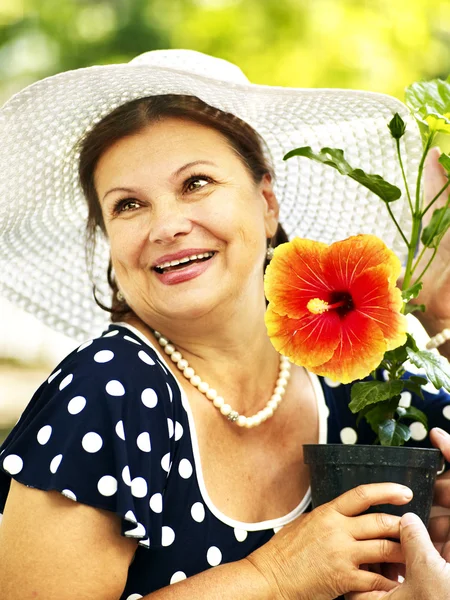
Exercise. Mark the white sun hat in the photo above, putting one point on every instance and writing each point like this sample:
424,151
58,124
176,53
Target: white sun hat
43,211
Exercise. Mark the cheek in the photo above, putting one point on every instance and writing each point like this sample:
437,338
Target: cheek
127,245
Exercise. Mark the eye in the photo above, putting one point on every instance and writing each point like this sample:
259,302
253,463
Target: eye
196,182
125,205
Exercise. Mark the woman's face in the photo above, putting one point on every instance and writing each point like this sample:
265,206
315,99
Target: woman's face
186,223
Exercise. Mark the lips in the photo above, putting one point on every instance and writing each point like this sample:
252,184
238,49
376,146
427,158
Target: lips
183,262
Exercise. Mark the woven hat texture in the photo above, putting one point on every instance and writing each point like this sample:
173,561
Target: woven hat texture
43,212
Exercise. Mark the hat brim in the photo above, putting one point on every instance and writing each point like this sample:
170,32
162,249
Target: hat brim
43,211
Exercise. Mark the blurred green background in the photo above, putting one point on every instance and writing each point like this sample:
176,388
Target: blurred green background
378,45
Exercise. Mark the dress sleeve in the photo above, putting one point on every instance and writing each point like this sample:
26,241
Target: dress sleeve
97,431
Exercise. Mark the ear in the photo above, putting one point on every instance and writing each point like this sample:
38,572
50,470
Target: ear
271,206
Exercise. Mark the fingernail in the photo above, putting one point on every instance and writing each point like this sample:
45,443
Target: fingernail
441,432
409,519
407,492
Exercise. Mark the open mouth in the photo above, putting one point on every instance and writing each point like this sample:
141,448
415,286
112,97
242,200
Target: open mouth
176,265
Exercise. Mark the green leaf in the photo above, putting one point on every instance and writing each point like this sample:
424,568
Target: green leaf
375,415
410,308
397,127
439,224
418,379
436,367
444,159
414,387
430,103
334,157
414,414
399,355
412,292
393,433
372,392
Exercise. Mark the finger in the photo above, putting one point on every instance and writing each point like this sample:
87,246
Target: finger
442,492
372,583
439,529
376,525
441,440
368,596
378,551
415,539
361,498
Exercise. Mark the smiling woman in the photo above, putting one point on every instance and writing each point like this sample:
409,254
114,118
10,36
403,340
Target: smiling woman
172,442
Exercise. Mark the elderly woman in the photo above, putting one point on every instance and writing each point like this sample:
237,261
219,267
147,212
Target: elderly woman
172,442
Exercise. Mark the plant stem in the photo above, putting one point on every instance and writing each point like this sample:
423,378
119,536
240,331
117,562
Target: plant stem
404,176
397,225
428,264
442,190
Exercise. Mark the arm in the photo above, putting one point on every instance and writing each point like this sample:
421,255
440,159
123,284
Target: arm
57,548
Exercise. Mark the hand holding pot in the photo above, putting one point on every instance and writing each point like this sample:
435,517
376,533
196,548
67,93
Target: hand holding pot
317,557
439,526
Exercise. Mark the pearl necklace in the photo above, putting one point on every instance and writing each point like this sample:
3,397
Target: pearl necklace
218,401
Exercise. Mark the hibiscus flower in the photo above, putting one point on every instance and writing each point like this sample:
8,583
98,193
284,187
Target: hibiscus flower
335,309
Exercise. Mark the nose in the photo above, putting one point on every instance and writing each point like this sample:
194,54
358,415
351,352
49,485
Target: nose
169,221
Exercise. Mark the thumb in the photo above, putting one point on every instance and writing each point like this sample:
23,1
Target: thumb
416,542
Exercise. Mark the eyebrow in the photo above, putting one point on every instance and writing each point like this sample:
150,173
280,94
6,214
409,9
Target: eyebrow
174,174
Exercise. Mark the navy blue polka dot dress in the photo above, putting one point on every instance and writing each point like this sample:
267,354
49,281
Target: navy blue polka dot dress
112,428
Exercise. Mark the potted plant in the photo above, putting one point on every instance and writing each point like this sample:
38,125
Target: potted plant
348,291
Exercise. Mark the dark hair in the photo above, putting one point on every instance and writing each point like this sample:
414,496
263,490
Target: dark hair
131,118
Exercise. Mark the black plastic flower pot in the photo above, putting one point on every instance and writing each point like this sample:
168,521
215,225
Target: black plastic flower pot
337,468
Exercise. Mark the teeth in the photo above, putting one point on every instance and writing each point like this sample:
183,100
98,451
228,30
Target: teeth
174,263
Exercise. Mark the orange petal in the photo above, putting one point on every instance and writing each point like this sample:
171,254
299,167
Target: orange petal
307,341
360,351
295,276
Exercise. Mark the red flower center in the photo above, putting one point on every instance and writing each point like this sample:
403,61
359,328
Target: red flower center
341,302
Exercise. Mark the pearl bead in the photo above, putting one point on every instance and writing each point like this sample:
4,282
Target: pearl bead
182,364
188,372
163,341
276,398
168,349
203,387
225,409
272,404
241,421
257,420
279,390
218,401
249,423
211,393
176,356
285,373
195,380
282,381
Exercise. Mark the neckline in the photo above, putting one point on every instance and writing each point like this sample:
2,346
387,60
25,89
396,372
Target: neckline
276,523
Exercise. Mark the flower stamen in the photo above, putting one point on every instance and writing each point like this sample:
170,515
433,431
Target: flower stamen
316,306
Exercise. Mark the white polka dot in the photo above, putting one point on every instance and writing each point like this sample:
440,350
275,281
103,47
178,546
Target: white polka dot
126,476
76,405
65,382
418,431
115,388
170,427
84,345
111,333
198,512
214,556
92,442
145,543
429,387
405,400
53,375
326,411
146,358
13,464
348,435
331,383
162,367
156,503
107,485
130,339
138,531
385,375
149,398
56,461
169,390
129,516
69,494
134,597
165,462
139,487
178,431
178,576
103,356
143,441
185,468
277,529
168,536
44,434
120,430
446,411
240,535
